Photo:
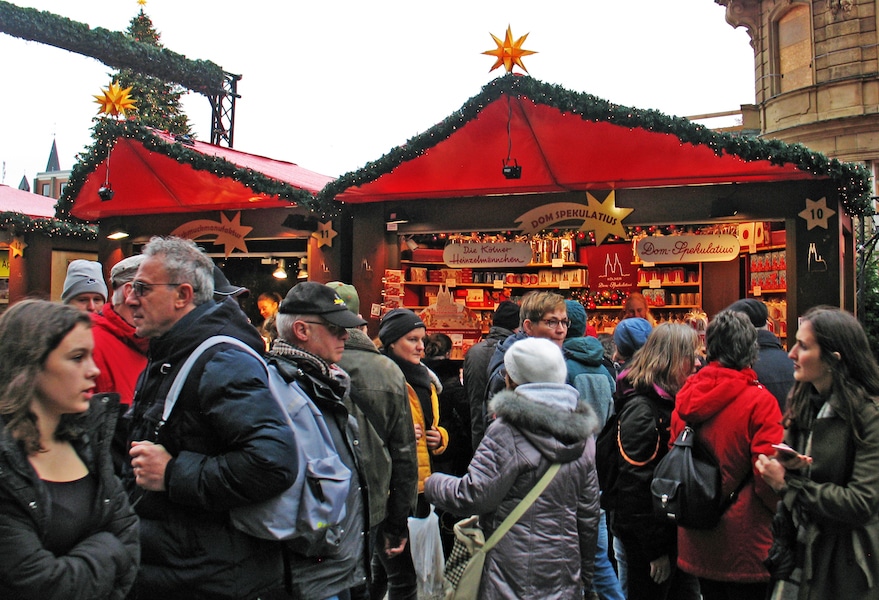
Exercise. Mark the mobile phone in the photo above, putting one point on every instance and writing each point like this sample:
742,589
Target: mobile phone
785,451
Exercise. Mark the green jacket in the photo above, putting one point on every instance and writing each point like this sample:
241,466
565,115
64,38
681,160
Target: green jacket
379,391
839,498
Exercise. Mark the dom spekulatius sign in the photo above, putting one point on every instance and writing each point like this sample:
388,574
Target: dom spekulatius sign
687,248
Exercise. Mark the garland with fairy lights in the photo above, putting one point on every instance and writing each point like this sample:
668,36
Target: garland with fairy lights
107,131
852,180
113,48
19,224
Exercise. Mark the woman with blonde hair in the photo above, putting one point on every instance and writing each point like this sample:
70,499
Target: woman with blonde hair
644,401
829,486
68,529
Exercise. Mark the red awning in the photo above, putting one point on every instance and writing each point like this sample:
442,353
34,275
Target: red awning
151,172
557,152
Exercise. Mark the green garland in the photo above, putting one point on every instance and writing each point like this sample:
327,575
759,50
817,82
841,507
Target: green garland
20,224
853,180
107,131
113,48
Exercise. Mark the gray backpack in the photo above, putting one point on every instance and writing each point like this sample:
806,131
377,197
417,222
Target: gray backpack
306,516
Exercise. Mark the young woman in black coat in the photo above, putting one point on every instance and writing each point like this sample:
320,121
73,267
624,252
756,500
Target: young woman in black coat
69,532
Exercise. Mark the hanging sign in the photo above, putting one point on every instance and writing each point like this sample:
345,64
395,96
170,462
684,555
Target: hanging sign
228,233
604,218
688,248
17,246
509,254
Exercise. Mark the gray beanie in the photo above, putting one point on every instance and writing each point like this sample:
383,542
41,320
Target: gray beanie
83,276
535,360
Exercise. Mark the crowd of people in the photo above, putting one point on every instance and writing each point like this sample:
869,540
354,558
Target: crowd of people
109,490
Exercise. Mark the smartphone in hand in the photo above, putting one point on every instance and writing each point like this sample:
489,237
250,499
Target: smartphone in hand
785,452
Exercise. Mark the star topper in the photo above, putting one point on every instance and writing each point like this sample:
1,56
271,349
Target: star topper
115,101
508,52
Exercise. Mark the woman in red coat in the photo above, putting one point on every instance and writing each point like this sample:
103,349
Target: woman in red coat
738,419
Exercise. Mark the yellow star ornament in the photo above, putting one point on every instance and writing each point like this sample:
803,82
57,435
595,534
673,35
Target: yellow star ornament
508,52
604,218
324,234
115,101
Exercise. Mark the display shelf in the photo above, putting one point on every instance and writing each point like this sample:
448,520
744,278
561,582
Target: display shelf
657,280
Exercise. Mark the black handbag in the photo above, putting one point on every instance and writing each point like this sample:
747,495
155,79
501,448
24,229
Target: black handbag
686,486
781,560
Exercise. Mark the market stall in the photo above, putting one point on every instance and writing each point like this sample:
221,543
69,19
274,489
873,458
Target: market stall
582,182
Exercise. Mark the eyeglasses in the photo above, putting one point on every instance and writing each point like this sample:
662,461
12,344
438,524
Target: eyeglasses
335,330
554,323
141,289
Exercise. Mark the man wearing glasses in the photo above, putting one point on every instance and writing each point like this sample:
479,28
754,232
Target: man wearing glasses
225,444
313,323
543,315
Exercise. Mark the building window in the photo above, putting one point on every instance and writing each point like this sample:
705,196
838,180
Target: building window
46,189
794,50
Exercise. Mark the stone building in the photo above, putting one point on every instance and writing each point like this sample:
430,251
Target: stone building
816,66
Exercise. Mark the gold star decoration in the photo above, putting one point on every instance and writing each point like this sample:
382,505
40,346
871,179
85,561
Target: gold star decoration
17,246
324,234
115,101
816,213
604,218
508,52
142,2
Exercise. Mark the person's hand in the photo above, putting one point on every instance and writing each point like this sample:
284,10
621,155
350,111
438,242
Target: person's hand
394,545
148,462
434,438
419,431
772,472
660,569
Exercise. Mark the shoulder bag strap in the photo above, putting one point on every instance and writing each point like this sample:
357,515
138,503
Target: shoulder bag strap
729,499
183,373
520,509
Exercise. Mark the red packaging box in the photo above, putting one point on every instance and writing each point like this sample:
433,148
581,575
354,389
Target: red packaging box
427,255
777,238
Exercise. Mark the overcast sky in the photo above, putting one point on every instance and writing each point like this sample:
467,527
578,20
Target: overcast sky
333,84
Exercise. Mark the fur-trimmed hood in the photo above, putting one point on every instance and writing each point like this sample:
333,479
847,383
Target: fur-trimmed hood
547,422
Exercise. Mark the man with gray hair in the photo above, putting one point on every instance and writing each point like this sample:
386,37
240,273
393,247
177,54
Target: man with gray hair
225,444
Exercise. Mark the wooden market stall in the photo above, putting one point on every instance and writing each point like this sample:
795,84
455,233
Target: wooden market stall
583,182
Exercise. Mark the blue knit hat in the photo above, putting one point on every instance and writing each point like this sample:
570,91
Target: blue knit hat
577,317
630,334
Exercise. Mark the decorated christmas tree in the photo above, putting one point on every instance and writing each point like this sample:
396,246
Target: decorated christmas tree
158,102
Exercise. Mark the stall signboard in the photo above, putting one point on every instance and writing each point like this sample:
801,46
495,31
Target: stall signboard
688,248
505,254
4,263
611,268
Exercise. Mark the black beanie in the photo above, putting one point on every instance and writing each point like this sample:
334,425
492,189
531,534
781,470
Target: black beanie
396,324
506,315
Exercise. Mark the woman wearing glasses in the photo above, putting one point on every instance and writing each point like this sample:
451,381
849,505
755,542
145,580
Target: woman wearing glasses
402,336
644,400
68,529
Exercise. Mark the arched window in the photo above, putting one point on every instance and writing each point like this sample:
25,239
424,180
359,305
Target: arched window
794,49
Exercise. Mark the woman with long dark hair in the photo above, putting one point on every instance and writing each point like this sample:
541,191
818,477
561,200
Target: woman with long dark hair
830,486
68,530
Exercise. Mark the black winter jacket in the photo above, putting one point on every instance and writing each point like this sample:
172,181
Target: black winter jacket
231,446
103,565
645,418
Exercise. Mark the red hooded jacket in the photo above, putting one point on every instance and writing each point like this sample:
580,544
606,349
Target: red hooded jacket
739,419
119,354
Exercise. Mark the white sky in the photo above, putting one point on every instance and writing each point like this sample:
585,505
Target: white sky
333,84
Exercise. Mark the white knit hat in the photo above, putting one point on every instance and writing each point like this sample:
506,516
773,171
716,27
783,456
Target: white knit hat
535,360
83,276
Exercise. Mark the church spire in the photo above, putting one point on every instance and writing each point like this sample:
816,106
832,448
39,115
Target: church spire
53,165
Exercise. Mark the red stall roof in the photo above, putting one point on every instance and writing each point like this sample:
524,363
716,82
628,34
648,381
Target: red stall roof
26,203
153,172
567,141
